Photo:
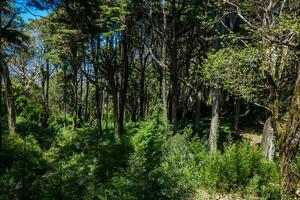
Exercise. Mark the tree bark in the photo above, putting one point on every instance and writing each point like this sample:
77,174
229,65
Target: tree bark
115,108
45,95
65,96
267,139
174,69
237,110
86,101
142,79
107,110
216,103
9,99
214,124
125,78
164,58
1,114
75,82
80,101
289,144
98,106
1,128
197,110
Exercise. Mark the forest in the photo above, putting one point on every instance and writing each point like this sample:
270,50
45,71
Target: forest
149,99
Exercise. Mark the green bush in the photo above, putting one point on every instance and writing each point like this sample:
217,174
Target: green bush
22,163
178,167
147,157
27,108
162,166
240,168
148,162
44,136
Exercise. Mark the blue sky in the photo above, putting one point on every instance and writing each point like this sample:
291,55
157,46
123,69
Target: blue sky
33,14
29,12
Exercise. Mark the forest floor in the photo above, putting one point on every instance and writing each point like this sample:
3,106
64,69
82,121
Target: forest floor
205,195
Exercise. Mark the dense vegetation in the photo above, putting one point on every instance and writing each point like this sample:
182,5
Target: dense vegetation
155,99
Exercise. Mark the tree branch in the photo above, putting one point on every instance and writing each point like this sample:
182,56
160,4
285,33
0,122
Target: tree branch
239,12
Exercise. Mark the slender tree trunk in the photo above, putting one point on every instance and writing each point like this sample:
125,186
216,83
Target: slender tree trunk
174,69
80,106
237,110
164,58
65,96
97,86
197,110
142,79
216,103
115,108
174,99
107,110
45,95
123,93
142,93
4,72
98,106
86,96
75,108
9,99
214,124
47,91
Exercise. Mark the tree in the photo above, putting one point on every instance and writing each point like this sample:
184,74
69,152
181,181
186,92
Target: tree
11,37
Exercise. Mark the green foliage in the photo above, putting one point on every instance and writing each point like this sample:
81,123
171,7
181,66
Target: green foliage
147,157
241,168
44,136
22,164
178,167
236,70
27,108
149,163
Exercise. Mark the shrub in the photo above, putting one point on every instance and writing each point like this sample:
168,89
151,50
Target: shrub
178,168
22,163
147,157
240,168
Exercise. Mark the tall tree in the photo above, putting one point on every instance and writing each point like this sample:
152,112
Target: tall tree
11,37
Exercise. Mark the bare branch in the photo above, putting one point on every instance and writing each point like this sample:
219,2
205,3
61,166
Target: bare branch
239,12
159,62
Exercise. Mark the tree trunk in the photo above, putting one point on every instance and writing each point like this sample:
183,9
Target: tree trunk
86,101
267,139
214,124
289,145
65,96
125,78
107,111
142,93
216,103
164,58
98,105
9,99
174,69
142,80
75,111
80,106
115,108
197,110
45,95
1,128
237,110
